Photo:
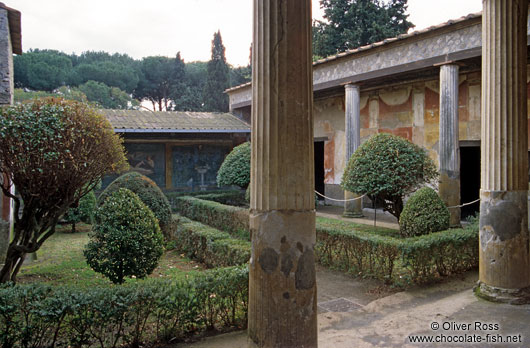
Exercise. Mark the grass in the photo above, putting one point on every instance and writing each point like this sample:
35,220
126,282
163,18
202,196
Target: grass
346,225
60,261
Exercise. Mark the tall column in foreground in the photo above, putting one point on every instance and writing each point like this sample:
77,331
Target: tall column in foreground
282,289
449,150
353,140
504,266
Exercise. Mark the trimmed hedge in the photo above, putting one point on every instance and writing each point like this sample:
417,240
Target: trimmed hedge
362,249
233,220
172,195
210,246
139,314
389,257
234,198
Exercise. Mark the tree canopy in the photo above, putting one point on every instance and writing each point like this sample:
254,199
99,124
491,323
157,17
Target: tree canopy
54,151
117,81
386,168
353,23
218,78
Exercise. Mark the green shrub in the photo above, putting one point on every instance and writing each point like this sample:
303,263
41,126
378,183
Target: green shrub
53,151
148,192
386,168
358,249
385,255
424,213
84,212
126,239
210,246
233,220
235,169
234,198
133,315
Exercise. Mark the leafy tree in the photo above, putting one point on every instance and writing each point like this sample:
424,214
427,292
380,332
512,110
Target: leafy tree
54,151
235,169
110,73
353,23
192,97
126,239
386,168
240,75
107,97
179,87
218,78
156,81
43,70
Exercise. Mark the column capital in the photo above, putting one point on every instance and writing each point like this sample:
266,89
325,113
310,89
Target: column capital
352,86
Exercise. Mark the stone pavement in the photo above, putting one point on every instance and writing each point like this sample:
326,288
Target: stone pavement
358,313
355,318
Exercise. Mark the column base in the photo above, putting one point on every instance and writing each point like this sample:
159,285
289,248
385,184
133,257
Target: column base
494,294
352,214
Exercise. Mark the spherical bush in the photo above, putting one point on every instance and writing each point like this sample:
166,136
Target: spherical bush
235,169
148,192
424,213
386,168
126,239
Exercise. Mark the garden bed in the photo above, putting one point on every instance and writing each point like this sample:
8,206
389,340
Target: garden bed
60,301
358,249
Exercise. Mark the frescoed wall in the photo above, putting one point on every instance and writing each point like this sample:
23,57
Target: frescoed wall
196,166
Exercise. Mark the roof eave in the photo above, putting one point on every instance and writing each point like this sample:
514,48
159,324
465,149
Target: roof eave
166,130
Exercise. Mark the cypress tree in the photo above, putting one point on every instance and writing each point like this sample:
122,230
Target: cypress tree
218,78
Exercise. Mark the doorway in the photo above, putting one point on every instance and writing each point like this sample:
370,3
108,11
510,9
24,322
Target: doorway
319,167
469,179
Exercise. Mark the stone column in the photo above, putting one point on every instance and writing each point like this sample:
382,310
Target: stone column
6,98
504,266
449,150
353,140
282,287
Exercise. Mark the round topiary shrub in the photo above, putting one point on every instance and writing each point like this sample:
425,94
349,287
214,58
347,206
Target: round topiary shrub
148,192
386,168
235,169
424,213
126,240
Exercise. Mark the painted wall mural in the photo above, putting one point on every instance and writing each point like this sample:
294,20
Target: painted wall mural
195,166
146,159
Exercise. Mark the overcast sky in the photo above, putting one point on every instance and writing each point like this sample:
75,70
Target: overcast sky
164,27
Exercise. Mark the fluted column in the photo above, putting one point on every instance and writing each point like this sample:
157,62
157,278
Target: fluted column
504,267
449,150
353,140
6,98
282,289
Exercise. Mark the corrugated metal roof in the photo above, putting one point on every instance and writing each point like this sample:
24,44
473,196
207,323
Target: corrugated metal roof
138,121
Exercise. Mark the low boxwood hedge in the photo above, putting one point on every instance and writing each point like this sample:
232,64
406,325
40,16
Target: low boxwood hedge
210,246
362,249
139,314
233,220
397,260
